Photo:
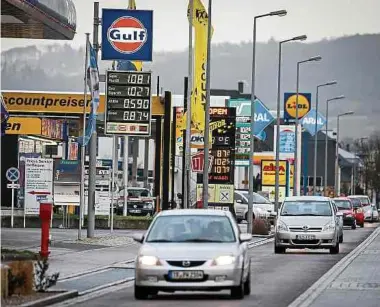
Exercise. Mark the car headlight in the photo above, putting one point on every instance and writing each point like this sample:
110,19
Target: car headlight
281,226
329,227
224,260
149,260
148,206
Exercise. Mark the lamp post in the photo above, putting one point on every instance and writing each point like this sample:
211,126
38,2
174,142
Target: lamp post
295,176
316,133
337,187
280,13
278,123
327,138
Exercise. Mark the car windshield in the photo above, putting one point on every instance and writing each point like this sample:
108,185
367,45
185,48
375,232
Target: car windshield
306,208
257,198
343,204
138,193
192,228
364,200
356,203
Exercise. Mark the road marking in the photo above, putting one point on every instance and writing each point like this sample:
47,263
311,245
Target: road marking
311,294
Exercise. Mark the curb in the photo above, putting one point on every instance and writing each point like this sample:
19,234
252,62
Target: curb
52,299
311,294
111,284
92,271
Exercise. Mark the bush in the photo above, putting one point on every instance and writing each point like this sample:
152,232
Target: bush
42,281
260,227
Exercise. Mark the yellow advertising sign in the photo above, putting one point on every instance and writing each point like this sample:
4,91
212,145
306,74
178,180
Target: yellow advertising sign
268,172
303,105
23,125
60,102
211,192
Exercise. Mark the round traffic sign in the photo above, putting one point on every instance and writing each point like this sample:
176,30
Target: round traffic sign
12,174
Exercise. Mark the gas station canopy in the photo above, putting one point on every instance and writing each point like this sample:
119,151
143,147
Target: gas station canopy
38,19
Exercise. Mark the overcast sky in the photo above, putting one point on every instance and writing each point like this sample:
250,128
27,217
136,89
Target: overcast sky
232,20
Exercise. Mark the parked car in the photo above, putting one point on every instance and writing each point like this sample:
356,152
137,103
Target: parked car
370,211
359,212
193,250
139,202
307,222
262,207
339,218
345,206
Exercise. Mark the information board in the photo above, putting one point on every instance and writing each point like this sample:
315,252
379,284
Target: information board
128,103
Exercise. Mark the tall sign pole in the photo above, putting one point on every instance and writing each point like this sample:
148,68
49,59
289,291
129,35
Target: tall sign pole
206,132
93,143
187,185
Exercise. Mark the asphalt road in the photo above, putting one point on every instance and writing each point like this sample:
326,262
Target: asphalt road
276,279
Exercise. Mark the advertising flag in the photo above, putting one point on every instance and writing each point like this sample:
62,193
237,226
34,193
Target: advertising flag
4,116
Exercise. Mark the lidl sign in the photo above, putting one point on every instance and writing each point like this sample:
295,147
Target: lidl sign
290,105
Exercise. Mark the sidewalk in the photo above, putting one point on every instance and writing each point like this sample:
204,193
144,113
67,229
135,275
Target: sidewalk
354,281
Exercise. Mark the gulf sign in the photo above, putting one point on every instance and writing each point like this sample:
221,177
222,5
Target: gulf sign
127,35
290,105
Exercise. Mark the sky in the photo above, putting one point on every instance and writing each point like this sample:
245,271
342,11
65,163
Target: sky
233,19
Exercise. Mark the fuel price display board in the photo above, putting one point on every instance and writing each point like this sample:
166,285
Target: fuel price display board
128,103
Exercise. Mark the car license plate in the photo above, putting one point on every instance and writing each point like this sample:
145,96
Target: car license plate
186,275
135,211
306,237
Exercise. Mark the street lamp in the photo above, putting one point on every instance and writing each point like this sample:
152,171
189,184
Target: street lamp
326,138
337,187
279,13
278,122
295,176
316,133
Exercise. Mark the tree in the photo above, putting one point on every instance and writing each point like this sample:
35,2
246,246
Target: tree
368,150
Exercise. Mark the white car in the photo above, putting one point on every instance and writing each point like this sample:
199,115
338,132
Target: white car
193,250
371,213
307,222
262,207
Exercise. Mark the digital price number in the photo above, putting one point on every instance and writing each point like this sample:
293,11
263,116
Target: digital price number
128,99
222,167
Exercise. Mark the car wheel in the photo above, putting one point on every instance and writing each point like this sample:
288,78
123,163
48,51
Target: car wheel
141,293
341,239
335,250
279,249
247,284
353,226
238,292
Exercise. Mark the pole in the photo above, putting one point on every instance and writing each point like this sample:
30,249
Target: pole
172,154
125,175
336,159
315,144
93,144
252,143
184,138
146,163
13,206
326,146
115,168
295,176
83,149
277,175
207,110
187,136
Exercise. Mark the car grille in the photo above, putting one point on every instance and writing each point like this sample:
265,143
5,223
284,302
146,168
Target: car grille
305,242
189,264
300,229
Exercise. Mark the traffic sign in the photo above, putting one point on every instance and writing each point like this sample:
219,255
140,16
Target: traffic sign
12,174
13,185
308,122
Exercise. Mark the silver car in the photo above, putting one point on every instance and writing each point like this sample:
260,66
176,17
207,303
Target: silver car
307,222
192,250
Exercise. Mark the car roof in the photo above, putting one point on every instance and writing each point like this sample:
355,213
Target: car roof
357,196
307,198
194,212
341,198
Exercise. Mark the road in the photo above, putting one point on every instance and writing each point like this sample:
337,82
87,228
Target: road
276,279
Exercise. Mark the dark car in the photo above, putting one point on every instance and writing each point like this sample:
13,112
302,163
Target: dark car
345,206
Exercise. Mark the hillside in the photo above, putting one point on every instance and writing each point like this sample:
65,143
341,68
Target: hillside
354,61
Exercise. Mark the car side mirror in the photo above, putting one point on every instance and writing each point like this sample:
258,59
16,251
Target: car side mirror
245,237
138,237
